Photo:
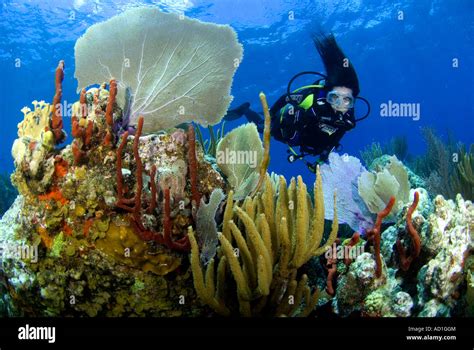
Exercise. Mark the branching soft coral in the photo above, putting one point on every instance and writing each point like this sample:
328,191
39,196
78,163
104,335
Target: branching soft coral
462,180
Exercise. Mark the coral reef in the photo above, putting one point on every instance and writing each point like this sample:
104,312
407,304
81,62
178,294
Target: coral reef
435,283
440,280
84,281
138,216
355,285
106,244
133,205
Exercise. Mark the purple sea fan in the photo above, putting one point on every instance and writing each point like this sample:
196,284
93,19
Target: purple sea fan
340,175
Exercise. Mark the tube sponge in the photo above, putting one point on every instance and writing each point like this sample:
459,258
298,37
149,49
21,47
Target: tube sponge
178,69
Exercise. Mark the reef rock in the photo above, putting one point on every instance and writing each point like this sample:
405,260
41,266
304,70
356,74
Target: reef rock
354,286
73,250
450,233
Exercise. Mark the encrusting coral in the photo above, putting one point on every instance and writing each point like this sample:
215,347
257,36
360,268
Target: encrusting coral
447,240
282,233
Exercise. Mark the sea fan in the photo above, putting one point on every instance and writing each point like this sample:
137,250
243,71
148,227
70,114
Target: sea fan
341,175
177,69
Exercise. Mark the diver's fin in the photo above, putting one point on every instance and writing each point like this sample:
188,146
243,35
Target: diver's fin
253,117
236,113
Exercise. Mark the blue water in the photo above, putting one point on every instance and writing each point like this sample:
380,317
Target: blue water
405,60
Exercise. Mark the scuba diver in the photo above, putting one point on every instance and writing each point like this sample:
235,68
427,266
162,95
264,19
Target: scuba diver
314,117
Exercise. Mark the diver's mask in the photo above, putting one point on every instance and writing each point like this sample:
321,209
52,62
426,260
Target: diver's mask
340,101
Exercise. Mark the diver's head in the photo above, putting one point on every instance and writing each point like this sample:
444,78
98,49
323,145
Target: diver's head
339,70
340,98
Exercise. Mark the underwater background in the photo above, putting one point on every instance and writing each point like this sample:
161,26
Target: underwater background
124,210
424,58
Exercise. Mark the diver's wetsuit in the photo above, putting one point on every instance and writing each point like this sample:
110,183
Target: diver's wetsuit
315,127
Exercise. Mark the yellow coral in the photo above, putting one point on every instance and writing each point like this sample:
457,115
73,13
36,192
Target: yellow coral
35,122
282,233
122,243
35,139
266,142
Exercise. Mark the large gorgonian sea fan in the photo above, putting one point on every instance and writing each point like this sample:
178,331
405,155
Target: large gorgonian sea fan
341,175
177,69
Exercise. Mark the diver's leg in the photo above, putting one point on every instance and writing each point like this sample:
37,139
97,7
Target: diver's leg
236,113
255,118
